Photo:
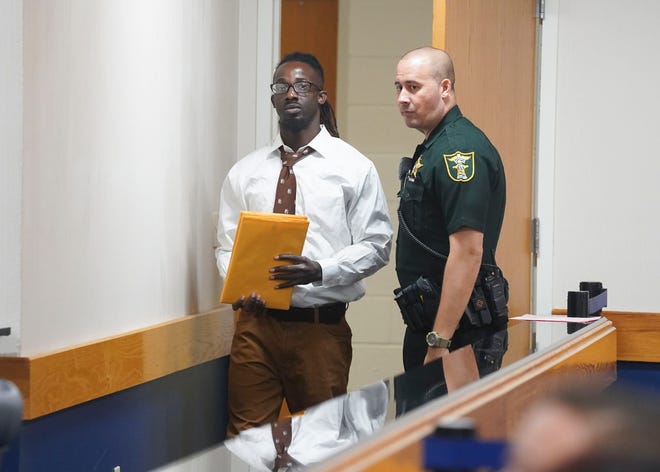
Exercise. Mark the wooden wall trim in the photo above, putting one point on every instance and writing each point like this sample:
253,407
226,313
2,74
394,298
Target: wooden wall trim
53,381
638,337
439,20
495,402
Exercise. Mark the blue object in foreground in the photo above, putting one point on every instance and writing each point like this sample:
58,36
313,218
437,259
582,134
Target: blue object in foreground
445,453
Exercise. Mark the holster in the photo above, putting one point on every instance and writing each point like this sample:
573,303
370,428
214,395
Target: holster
489,299
418,302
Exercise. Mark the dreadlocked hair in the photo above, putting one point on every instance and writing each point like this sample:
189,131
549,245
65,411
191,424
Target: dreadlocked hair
328,118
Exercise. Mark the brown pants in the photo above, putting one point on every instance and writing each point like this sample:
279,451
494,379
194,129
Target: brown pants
272,360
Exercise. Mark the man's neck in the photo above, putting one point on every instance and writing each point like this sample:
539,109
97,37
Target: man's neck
447,110
297,139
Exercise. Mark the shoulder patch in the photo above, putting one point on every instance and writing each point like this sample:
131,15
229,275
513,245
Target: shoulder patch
460,166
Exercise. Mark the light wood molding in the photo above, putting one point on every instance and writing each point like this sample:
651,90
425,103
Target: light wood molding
67,377
496,402
439,22
638,337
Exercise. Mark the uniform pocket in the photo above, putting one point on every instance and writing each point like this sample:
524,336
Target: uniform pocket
412,191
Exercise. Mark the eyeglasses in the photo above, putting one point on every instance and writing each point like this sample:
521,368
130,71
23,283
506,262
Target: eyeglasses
301,87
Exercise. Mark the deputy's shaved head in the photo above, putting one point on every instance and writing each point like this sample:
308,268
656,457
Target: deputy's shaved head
440,65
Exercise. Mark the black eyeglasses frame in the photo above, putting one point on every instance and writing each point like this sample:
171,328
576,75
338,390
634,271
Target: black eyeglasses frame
295,86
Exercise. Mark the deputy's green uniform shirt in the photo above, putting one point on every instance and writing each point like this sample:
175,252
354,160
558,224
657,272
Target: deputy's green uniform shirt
457,181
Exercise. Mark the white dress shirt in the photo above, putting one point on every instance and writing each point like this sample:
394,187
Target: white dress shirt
321,432
339,191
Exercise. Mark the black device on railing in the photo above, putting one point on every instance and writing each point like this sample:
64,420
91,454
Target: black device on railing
588,301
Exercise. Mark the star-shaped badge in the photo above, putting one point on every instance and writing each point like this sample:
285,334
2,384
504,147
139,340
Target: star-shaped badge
418,165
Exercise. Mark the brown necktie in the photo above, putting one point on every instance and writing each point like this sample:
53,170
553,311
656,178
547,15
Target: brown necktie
281,431
285,194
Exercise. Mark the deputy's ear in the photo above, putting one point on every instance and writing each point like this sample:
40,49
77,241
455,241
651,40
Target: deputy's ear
323,96
272,100
445,87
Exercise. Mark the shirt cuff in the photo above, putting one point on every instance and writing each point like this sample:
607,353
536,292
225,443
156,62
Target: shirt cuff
329,273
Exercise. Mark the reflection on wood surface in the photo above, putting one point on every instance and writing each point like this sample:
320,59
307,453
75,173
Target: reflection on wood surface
496,402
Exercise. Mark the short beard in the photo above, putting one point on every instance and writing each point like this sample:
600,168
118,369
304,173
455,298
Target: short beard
293,125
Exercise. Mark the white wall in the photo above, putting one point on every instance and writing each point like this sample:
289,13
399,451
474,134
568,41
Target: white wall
606,192
129,126
11,112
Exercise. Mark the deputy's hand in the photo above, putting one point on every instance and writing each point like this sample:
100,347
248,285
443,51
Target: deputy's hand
301,271
435,353
252,304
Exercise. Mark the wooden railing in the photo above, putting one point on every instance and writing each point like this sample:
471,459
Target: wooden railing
56,380
639,334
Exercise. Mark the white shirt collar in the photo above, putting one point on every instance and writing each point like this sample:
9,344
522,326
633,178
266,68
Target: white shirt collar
321,144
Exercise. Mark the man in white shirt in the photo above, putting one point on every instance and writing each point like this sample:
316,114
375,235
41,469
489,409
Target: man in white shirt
302,354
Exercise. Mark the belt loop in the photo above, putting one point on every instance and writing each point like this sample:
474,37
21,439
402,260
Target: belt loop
316,314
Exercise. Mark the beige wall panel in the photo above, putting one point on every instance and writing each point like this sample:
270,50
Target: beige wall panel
383,282
370,320
397,328
372,80
379,129
377,362
388,165
388,27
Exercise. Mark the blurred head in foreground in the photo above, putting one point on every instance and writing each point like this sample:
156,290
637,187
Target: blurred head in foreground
583,430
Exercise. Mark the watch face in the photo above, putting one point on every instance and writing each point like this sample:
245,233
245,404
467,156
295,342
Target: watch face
433,339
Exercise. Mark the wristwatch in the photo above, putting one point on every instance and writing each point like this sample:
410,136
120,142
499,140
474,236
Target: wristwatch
433,339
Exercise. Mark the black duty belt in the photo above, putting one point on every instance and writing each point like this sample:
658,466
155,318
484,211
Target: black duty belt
332,313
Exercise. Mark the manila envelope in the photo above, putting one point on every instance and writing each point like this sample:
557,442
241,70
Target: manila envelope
259,238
